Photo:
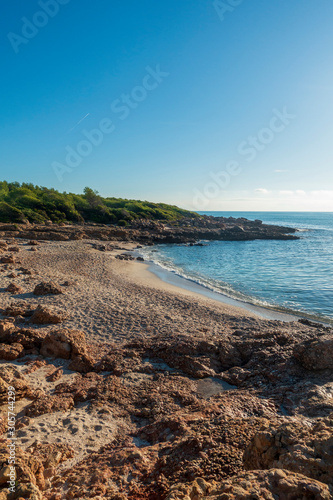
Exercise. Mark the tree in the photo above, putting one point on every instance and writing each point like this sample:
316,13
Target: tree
92,197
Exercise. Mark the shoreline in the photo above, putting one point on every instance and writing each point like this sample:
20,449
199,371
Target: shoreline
260,311
187,284
181,283
141,274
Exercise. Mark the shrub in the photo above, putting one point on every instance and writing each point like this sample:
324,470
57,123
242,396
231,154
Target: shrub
19,202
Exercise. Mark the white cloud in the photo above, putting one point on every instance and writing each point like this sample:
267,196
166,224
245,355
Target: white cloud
300,192
323,194
262,191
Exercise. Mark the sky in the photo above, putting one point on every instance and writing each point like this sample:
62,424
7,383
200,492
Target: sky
209,105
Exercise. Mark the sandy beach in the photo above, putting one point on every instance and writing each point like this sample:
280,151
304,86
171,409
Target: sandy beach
130,387
115,300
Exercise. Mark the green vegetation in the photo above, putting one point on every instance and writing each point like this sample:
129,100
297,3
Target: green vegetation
26,202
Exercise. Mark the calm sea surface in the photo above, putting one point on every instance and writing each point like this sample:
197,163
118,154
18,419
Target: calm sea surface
290,276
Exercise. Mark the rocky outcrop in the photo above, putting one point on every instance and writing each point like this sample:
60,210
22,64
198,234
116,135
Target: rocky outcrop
270,485
34,468
68,344
146,231
295,447
125,256
63,343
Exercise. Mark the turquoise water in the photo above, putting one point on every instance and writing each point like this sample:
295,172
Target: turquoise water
289,276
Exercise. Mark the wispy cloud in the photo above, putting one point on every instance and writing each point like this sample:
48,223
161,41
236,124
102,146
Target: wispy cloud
78,123
323,193
262,191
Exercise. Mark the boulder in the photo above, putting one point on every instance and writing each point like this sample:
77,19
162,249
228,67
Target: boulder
68,344
24,270
9,376
82,363
125,256
18,309
58,344
50,404
7,259
31,339
46,288
45,316
14,289
11,352
55,375
316,354
6,328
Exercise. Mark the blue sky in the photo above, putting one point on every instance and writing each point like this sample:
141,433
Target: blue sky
175,101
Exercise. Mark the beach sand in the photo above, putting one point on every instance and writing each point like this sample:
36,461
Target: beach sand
161,353
112,301
115,300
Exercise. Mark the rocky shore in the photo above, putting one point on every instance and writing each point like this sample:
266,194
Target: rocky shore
129,390
151,232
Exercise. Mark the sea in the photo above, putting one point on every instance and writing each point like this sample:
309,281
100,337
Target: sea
291,277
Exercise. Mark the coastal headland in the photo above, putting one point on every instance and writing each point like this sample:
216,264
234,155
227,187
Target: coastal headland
145,231
130,388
